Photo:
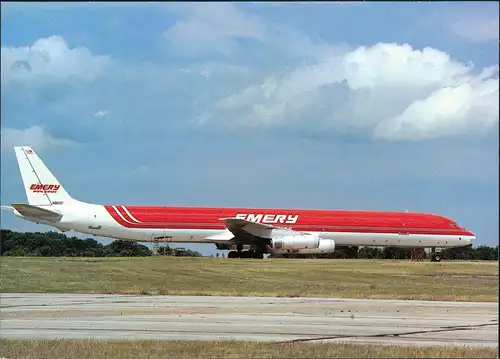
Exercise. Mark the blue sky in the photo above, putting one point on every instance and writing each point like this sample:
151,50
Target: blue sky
388,106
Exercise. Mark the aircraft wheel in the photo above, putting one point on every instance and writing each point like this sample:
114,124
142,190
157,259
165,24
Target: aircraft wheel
258,255
436,258
233,254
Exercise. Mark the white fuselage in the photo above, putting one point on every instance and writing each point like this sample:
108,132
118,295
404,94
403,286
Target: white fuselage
309,231
95,220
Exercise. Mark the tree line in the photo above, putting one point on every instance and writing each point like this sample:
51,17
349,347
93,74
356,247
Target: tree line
54,244
460,253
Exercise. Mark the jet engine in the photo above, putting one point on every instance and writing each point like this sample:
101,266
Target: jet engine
298,241
325,246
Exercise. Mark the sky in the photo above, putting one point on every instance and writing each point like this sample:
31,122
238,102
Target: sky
381,106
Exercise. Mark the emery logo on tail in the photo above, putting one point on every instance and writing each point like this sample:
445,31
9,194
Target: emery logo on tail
269,218
45,188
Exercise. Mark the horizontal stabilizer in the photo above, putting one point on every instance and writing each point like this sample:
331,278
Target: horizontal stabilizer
27,210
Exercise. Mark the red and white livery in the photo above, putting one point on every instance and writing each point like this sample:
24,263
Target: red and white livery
257,229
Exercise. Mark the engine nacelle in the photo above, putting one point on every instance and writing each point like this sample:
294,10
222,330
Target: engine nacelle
298,241
325,246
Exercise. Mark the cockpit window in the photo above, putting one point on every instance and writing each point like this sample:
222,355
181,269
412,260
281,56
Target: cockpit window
454,224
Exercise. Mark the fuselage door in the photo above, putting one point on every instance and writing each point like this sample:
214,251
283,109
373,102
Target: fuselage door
95,225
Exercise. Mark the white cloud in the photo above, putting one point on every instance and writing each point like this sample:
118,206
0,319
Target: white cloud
34,136
449,110
101,113
218,28
391,90
393,65
212,27
475,25
388,90
51,59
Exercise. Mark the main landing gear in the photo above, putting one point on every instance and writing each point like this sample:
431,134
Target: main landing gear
245,254
435,255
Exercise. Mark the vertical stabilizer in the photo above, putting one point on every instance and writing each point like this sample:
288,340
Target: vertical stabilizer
41,187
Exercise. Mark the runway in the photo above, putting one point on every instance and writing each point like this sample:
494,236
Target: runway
50,316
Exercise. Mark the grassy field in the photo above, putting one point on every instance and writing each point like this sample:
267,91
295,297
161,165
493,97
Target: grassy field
392,279
71,349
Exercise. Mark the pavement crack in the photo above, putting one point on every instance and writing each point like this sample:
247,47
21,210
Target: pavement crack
44,305
389,335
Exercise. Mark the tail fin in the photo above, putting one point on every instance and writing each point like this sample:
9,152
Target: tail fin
41,187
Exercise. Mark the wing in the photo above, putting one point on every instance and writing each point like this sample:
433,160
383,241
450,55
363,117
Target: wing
241,226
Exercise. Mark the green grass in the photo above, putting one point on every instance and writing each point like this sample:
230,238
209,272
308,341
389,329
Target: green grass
391,279
156,349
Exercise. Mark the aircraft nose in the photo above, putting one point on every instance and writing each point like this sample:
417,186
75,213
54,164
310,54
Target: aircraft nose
471,237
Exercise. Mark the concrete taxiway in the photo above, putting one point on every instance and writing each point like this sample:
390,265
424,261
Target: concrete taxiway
49,316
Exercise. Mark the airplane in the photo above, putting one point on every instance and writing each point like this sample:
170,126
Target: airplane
258,230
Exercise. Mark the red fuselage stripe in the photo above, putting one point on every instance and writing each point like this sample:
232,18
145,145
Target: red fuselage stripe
309,220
